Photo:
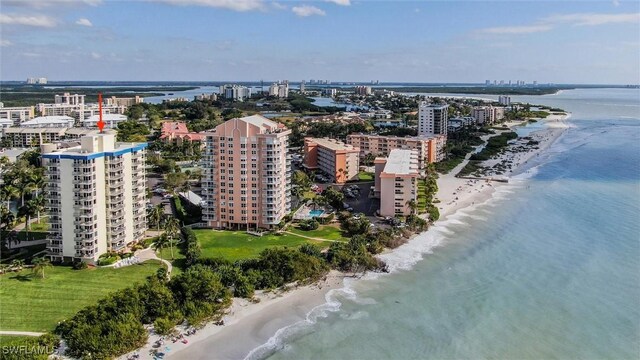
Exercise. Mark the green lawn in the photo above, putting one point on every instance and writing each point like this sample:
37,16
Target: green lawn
365,176
28,303
308,195
235,245
324,232
7,340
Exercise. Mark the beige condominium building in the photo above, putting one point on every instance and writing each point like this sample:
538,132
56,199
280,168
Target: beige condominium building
430,149
396,182
247,174
338,160
17,114
95,196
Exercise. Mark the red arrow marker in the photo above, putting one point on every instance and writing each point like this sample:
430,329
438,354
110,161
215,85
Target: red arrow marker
100,122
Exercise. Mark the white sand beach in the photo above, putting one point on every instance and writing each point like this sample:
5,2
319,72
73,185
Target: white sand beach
249,325
457,193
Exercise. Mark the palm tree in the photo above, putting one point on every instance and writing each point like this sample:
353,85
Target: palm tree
28,210
9,192
161,243
6,220
40,264
172,228
38,205
156,214
413,205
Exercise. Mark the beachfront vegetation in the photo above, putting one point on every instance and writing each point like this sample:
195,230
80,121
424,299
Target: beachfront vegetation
44,302
495,145
22,347
459,144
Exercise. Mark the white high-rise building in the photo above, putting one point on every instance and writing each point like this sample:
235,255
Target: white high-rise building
432,119
235,92
247,174
95,196
504,100
279,89
302,86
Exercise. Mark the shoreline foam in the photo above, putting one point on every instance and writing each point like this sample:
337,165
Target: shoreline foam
263,327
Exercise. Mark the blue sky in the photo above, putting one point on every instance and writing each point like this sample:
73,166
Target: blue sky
338,40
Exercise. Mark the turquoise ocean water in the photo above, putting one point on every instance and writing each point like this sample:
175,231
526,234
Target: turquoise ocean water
549,268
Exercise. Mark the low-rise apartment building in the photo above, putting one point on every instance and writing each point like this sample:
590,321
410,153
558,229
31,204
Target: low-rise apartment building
487,114
95,197
247,174
27,137
430,149
338,160
396,182
17,114
123,101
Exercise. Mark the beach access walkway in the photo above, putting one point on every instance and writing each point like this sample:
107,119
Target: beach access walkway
20,333
309,237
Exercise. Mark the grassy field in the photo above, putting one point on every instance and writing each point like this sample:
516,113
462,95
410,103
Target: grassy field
236,245
324,232
28,303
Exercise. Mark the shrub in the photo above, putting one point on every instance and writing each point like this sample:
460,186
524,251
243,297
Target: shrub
163,326
79,265
308,225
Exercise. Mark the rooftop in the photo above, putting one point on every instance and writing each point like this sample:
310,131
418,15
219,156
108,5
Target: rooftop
402,162
260,121
332,144
48,120
106,117
433,106
21,130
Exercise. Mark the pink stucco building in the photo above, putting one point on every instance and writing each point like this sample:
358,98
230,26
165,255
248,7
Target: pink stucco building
247,175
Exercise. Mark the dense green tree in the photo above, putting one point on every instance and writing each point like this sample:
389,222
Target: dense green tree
132,131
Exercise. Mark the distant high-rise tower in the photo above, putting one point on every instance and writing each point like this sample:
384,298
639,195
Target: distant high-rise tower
432,119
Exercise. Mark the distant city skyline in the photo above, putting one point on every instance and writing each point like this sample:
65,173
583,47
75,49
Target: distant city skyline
587,42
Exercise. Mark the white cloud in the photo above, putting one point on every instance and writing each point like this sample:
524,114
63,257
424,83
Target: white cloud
592,19
279,6
26,20
553,21
307,10
416,10
340,2
5,43
527,29
40,4
95,55
84,22
236,5
616,3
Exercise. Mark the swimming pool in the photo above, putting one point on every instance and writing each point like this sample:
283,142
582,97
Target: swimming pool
315,213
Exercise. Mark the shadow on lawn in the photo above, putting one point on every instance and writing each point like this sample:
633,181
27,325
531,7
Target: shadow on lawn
23,277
